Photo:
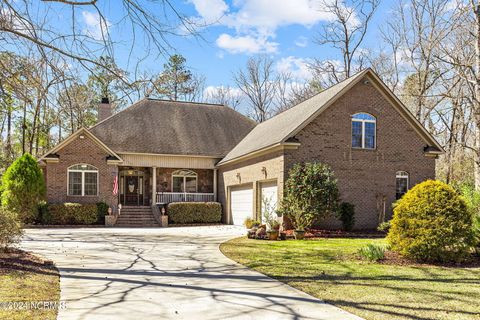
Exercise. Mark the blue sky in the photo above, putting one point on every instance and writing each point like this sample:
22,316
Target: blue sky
237,29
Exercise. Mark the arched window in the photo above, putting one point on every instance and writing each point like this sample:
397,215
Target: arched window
82,180
184,181
364,131
401,183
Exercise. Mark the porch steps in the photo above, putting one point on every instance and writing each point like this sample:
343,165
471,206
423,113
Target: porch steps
133,216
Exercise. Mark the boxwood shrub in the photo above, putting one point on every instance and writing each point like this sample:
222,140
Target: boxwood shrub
432,223
194,212
70,213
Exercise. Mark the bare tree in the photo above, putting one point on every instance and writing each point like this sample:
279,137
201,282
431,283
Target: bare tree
224,95
345,33
33,24
258,83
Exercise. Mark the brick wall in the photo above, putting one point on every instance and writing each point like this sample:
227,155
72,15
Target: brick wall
250,172
76,152
366,178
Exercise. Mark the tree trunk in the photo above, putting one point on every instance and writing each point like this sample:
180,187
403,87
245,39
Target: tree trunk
476,102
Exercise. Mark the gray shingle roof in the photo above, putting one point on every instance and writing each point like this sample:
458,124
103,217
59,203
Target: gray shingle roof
173,127
279,128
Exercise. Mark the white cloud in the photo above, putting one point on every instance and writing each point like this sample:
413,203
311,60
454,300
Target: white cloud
266,17
232,92
301,42
95,26
297,67
246,44
210,10
255,22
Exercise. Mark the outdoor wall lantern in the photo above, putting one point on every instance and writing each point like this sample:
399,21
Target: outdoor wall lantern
264,171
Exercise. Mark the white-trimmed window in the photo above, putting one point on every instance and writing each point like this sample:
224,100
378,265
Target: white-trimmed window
184,181
401,184
82,180
364,128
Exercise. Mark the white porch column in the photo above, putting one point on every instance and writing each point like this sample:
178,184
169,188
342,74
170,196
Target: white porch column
154,185
215,185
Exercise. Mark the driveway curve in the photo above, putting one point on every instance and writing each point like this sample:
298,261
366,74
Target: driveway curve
165,273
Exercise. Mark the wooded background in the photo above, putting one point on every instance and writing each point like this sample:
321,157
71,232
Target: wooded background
51,80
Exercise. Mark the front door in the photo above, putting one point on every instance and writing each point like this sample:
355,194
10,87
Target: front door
132,187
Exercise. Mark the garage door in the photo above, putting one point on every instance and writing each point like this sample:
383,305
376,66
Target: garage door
241,204
269,197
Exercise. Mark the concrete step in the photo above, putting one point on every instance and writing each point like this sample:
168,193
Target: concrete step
136,215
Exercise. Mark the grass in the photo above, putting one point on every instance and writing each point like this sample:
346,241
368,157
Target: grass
331,270
25,278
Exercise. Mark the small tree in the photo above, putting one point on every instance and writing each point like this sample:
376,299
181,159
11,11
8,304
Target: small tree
311,193
431,222
23,187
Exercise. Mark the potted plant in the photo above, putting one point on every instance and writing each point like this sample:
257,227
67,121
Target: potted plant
273,232
299,234
270,218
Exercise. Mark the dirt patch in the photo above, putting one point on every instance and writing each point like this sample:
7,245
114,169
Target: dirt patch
19,260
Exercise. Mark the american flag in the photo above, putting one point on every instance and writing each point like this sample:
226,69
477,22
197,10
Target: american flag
115,185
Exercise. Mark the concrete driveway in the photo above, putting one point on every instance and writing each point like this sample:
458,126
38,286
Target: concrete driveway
170,273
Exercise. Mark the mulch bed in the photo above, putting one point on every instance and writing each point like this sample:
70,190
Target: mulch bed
19,260
393,258
320,233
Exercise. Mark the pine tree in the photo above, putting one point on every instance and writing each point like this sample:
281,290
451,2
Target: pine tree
176,80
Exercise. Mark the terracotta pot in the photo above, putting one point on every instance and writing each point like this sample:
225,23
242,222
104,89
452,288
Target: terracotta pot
299,234
272,235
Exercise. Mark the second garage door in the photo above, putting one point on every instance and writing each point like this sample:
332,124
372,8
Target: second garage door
241,204
269,197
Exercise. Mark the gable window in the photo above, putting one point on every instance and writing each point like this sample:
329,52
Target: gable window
364,131
401,184
184,181
82,180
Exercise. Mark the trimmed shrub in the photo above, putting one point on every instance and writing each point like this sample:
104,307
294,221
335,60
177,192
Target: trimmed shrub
10,228
432,223
372,252
43,214
102,211
311,193
72,213
472,199
346,214
23,187
194,212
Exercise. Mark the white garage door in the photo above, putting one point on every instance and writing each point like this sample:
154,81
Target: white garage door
269,197
241,204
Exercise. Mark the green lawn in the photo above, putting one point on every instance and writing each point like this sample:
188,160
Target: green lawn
330,270
24,278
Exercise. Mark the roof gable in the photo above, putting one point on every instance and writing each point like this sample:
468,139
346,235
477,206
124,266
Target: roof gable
51,154
284,126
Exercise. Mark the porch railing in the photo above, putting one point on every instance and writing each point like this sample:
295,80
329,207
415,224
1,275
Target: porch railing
167,197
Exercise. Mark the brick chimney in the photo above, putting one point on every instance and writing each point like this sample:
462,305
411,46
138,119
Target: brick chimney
104,109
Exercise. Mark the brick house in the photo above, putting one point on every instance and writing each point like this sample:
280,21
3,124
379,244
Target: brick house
163,151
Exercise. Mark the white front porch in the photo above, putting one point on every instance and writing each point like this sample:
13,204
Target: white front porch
167,197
